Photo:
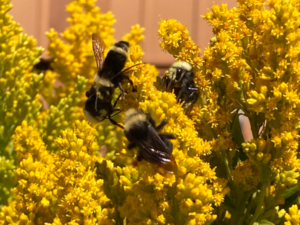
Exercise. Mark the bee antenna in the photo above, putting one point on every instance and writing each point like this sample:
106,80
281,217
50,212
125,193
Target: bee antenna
127,69
169,85
119,111
96,104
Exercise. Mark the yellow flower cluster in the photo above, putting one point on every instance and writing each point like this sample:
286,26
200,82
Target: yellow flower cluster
57,188
72,53
177,41
7,168
61,187
19,88
293,217
250,68
52,122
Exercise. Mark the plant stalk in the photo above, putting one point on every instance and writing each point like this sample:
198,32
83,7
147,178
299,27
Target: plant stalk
259,203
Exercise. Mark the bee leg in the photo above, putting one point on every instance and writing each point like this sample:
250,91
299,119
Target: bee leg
189,109
134,88
116,101
131,145
164,81
118,111
114,122
179,97
162,124
96,105
122,90
169,87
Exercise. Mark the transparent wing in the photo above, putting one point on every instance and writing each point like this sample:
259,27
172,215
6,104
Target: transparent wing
154,149
163,162
98,48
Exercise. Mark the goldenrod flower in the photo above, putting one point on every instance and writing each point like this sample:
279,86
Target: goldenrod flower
72,53
61,184
293,217
19,88
56,119
250,67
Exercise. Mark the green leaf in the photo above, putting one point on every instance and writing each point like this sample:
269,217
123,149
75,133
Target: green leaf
228,203
291,191
264,222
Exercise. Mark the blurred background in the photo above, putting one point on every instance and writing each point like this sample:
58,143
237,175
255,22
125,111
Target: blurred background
38,16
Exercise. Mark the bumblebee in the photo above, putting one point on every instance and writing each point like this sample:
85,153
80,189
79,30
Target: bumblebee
103,111
109,76
180,79
43,65
141,131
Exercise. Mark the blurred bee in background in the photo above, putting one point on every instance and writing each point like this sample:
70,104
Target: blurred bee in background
109,76
43,65
141,132
180,79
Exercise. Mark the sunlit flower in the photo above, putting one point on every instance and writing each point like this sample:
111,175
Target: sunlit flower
70,172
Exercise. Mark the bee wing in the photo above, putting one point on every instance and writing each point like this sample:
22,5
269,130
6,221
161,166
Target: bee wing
154,149
152,155
98,48
161,161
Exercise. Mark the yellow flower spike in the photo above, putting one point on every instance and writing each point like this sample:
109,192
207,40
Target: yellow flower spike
293,217
250,67
53,123
176,40
20,87
59,165
135,36
75,57
246,174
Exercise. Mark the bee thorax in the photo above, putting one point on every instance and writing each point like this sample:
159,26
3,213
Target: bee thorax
99,81
133,118
183,65
119,50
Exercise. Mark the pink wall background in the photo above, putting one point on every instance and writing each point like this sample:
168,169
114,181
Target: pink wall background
38,16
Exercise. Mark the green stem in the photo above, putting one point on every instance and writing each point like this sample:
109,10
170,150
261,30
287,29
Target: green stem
259,203
175,210
249,208
240,209
227,166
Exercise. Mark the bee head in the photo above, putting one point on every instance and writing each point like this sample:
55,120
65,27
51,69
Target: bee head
180,68
123,45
